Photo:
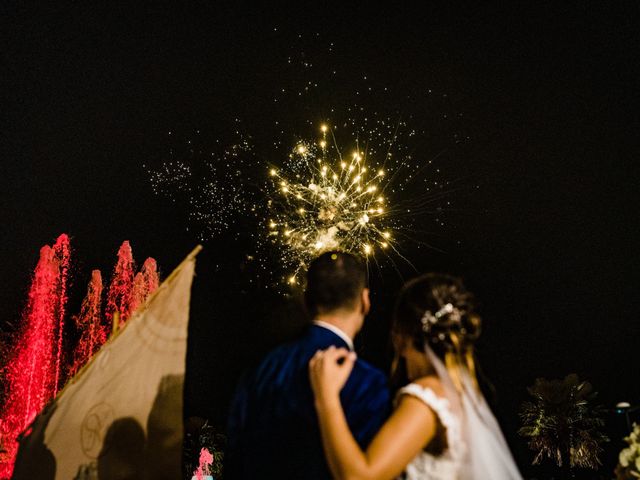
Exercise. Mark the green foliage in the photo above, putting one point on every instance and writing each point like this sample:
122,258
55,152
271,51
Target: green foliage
562,423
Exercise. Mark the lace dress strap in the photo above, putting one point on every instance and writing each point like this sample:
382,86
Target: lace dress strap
439,405
446,466
442,409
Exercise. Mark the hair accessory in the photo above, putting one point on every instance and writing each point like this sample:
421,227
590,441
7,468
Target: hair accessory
429,319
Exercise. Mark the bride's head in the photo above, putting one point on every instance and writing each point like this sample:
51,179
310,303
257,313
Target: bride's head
437,311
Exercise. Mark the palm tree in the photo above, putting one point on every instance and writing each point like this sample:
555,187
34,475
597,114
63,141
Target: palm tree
563,424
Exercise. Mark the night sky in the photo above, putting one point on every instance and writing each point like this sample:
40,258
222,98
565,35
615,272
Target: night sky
531,113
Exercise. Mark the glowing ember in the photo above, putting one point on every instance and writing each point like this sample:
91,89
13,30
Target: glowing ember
94,332
120,289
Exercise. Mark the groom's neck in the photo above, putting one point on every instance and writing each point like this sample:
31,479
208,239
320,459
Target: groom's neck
349,323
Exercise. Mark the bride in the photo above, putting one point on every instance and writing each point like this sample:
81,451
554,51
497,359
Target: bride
442,427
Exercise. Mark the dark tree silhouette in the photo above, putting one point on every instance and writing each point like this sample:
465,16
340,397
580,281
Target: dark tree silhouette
562,423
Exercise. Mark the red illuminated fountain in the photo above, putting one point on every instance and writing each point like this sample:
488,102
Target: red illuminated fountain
120,289
62,251
32,370
93,331
145,283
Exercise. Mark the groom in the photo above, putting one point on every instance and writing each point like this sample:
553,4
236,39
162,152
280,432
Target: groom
273,429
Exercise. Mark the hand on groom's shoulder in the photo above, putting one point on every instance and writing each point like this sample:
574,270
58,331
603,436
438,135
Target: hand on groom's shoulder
273,417
367,401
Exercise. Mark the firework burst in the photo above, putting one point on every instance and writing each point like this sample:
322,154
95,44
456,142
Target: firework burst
324,200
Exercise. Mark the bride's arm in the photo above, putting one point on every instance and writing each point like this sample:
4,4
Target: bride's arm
400,439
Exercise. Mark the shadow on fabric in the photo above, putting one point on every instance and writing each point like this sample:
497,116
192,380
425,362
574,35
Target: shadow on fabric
127,452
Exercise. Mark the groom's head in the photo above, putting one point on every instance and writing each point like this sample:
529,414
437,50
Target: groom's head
337,288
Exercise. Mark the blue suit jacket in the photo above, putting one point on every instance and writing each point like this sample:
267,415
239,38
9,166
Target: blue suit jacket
273,428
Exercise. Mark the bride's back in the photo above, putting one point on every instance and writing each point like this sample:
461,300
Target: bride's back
434,330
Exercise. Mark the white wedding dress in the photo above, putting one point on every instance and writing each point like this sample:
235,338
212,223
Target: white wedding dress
447,465
476,448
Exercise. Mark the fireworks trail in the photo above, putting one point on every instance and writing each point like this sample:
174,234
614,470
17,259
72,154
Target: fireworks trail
211,182
323,200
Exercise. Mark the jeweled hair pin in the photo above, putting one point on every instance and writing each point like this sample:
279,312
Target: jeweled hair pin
429,318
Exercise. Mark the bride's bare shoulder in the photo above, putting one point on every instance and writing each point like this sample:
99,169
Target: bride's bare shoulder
432,382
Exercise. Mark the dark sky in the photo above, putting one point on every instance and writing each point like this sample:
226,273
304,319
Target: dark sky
548,97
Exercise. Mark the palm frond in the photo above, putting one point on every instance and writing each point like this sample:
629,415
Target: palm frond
562,422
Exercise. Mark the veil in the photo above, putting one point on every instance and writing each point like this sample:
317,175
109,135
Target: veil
486,453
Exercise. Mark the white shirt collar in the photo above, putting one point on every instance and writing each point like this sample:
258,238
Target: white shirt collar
337,331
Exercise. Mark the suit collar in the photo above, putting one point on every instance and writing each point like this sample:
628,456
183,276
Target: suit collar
336,332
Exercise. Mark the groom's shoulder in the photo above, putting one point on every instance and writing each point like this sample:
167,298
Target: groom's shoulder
364,369
367,387
284,352
367,368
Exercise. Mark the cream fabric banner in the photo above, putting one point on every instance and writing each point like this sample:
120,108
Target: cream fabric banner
121,416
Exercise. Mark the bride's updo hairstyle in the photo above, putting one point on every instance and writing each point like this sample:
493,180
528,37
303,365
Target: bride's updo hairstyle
438,310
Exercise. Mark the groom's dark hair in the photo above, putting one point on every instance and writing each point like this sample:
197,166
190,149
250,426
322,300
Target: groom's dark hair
334,281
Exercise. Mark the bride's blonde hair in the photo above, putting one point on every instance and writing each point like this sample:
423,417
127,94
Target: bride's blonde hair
438,310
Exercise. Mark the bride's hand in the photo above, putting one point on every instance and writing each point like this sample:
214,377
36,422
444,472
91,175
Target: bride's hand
327,375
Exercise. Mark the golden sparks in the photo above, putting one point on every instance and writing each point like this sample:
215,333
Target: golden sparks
327,202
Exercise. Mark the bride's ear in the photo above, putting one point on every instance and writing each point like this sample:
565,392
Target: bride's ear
365,301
